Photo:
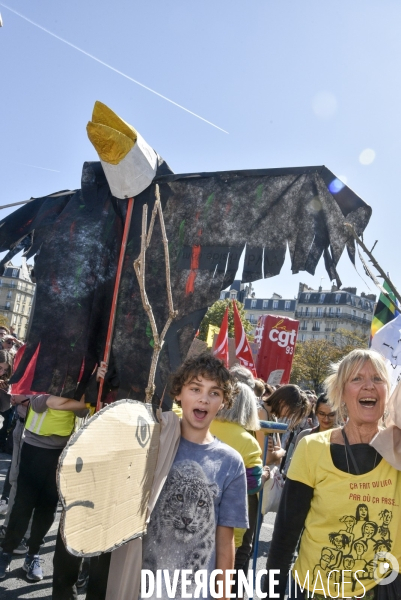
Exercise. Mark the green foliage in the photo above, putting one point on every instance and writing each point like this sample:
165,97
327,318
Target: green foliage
312,359
215,314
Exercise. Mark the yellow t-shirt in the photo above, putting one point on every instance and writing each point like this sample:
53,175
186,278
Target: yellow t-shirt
334,539
242,441
237,437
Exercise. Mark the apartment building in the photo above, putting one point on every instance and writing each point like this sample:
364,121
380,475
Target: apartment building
276,305
322,312
16,297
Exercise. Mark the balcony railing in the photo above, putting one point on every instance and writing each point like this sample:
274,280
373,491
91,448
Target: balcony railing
340,316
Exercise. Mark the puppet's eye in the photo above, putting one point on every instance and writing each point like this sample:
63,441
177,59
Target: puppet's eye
79,464
143,432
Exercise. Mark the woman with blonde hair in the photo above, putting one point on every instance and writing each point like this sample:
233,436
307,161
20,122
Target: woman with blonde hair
331,474
233,426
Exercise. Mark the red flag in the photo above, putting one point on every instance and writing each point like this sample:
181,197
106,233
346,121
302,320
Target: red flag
221,347
242,348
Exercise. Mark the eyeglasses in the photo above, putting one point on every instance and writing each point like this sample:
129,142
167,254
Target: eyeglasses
324,416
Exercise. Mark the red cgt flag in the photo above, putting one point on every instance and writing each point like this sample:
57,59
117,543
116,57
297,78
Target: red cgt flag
221,348
242,348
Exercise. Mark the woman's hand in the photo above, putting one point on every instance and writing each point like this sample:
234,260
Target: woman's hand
18,399
274,452
265,475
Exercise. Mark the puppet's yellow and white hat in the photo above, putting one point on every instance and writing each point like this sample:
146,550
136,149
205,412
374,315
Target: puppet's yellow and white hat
129,163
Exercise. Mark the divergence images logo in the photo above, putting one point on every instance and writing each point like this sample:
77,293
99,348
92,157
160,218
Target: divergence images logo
385,568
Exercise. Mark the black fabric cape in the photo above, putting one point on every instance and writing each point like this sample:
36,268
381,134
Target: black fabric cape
209,217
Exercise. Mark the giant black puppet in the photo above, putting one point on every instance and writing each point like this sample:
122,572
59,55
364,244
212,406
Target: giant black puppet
75,237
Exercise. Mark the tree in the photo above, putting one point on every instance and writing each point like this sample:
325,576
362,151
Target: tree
312,359
214,316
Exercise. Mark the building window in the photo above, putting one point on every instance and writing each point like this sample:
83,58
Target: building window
321,298
338,310
287,305
275,304
307,297
302,337
222,296
233,295
338,298
24,300
319,312
307,311
14,320
253,303
15,273
265,303
9,294
300,312
331,311
364,316
7,306
17,307
316,325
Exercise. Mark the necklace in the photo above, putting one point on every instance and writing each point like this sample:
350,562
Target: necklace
347,449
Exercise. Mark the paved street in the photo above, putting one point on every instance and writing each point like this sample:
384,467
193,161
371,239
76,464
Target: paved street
15,586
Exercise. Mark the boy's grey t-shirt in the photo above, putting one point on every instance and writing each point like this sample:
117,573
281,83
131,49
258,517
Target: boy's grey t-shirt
206,487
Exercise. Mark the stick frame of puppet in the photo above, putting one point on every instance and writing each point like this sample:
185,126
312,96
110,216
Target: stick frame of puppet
107,348
374,262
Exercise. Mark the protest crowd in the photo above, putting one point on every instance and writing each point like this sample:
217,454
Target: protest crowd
326,446
197,448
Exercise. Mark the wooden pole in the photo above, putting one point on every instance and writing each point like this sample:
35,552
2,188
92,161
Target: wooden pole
112,319
374,262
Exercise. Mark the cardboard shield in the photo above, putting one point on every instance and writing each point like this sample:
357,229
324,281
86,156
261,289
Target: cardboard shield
105,478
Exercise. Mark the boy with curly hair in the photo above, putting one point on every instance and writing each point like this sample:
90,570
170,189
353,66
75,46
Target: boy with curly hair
204,497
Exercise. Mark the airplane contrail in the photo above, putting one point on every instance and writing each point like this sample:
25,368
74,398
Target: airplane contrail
110,67
36,167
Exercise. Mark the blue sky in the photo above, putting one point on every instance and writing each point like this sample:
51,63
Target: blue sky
293,83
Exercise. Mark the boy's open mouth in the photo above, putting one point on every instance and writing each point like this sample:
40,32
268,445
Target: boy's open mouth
200,414
368,402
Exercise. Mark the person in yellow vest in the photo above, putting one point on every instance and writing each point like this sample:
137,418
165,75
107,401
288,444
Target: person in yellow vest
49,425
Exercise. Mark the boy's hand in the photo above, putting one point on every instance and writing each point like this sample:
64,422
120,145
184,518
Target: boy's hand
102,370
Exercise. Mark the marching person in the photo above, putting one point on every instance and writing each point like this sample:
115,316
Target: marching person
330,474
49,425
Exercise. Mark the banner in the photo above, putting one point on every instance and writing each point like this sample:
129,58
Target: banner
211,332
221,348
242,348
276,337
385,312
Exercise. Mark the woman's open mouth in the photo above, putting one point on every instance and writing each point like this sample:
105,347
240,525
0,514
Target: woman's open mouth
368,402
